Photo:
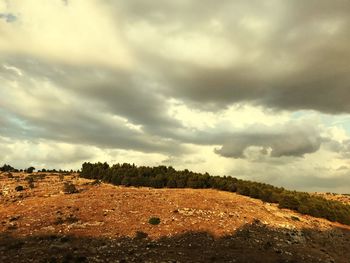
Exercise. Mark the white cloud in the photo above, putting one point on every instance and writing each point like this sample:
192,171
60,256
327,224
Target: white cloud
78,33
42,153
232,118
13,69
190,47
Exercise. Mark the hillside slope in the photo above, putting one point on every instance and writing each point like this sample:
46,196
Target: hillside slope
105,223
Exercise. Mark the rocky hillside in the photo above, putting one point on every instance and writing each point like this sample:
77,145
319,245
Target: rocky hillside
56,218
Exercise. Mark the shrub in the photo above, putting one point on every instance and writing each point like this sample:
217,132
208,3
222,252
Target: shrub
289,201
59,221
29,179
69,188
95,182
9,175
19,188
154,221
30,170
40,176
295,218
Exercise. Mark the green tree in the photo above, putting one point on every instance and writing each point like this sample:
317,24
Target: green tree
30,169
7,168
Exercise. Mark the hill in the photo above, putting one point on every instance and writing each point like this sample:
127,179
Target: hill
106,223
161,176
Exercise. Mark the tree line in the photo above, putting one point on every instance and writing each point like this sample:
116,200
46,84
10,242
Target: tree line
162,176
9,168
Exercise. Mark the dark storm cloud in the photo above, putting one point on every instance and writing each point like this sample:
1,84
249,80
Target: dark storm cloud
291,141
83,126
302,52
86,106
11,126
102,93
343,147
127,94
325,90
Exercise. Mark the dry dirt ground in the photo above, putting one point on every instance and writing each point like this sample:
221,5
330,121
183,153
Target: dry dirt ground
105,223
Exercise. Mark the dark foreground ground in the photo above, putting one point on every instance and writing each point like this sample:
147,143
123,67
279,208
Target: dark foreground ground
252,243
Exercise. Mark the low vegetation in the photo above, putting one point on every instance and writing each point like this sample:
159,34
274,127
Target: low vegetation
19,188
61,177
69,188
154,221
162,176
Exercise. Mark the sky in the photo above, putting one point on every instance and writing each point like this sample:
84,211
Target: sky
259,89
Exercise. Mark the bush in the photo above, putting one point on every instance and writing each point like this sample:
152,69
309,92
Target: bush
9,175
61,177
295,218
40,176
30,170
96,182
19,188
289,201
29,179
154,221
69,188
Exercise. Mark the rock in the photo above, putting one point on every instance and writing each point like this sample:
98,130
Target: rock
278,251
14,218
61,246
12,226
93,250
140,235
5,191
48,228
64,239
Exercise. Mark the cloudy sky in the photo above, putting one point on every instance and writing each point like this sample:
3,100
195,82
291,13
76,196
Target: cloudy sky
255,89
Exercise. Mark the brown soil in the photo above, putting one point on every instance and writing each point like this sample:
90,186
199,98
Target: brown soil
105,223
